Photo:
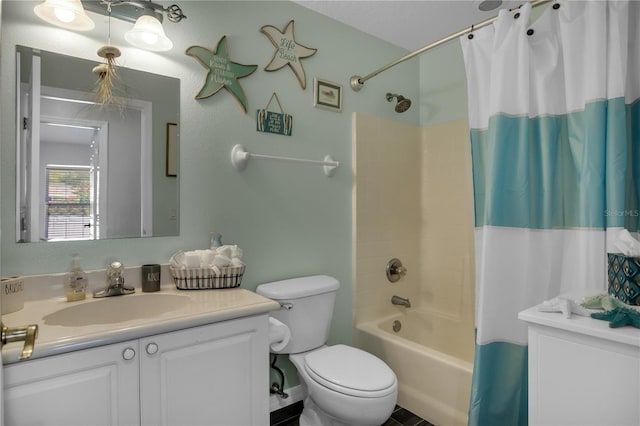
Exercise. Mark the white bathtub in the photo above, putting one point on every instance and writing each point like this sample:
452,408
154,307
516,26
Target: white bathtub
433,368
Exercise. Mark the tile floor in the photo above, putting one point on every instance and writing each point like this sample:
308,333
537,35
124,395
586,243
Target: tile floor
288,416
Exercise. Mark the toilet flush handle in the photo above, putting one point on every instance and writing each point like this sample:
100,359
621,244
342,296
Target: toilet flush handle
286,305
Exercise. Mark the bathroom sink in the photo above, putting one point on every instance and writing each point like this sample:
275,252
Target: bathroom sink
116,309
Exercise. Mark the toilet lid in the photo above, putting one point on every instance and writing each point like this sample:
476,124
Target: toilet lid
351,371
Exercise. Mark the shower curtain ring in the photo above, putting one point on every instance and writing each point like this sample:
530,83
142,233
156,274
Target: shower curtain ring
470,36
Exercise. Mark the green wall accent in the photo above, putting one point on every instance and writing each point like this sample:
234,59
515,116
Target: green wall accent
443,85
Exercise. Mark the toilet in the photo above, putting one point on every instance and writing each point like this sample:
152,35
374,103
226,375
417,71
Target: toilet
342,385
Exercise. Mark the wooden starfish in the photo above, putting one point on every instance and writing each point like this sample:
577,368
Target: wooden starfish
223,72
288,51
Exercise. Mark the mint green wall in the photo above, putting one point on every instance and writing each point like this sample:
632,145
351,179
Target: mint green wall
443,85
290,219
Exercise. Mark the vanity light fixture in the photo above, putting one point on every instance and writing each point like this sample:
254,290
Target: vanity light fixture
147,33
68,14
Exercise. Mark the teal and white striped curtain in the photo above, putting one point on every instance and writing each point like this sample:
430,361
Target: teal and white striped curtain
555,138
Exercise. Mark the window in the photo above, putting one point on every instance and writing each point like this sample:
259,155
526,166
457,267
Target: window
68,203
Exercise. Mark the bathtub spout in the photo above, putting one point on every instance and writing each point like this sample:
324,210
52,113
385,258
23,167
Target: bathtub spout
397,300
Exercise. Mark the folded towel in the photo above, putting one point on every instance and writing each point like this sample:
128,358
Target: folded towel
236,252
219,257
236,262
224,251
206,258
221,261
177,260
192,259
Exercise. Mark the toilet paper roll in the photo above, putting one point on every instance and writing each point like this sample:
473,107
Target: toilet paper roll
279,335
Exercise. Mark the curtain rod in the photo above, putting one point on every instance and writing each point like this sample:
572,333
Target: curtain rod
357,82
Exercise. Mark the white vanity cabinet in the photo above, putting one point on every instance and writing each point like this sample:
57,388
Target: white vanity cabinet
92,386
581,371
211,375
214,374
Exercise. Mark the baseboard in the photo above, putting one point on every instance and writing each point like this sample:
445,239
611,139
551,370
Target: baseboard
294,395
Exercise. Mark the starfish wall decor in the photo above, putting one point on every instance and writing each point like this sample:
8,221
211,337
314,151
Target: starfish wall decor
288,51
222,71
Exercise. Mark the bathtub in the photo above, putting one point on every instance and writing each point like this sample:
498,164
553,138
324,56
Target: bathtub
433,369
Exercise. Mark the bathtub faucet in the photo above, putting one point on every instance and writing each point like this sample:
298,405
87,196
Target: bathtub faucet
397,300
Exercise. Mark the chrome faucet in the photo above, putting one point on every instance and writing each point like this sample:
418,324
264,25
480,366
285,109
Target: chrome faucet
115,285
397,300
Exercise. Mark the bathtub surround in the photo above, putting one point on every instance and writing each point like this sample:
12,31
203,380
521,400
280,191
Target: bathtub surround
412,201
553,109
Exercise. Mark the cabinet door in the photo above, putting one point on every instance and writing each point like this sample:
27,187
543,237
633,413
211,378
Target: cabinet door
91,387
581,380
211,375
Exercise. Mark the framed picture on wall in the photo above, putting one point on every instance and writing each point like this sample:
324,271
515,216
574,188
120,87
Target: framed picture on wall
172,149
327,95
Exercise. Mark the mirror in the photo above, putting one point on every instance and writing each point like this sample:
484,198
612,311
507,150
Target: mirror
92,171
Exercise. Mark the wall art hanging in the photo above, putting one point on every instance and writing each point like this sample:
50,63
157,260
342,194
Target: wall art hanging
288,51
274,122
327,95
222,71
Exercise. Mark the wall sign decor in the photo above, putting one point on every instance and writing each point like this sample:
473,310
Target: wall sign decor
222,71
288,51
273,122
327,95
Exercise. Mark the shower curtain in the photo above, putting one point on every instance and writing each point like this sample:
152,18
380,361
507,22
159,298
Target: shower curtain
555,139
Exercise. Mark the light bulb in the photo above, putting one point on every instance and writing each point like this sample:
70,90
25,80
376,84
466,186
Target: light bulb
148,34
65,15
149,38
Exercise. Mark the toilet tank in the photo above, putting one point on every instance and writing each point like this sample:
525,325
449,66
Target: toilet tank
306,308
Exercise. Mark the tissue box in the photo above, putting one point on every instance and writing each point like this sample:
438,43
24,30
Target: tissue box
624,278
12,294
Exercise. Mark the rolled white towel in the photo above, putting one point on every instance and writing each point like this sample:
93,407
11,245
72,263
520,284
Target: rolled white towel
236,252
236,262
221,261
177,259
224,251
207,257
192,259
216,270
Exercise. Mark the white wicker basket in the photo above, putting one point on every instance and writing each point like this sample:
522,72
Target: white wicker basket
207,278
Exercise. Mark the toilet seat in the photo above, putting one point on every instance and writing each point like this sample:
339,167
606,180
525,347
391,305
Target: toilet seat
350,371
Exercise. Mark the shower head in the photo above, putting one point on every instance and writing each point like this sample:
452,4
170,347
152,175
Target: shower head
403,103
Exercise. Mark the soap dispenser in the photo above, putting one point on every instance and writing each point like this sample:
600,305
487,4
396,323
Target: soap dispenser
75,286
216,240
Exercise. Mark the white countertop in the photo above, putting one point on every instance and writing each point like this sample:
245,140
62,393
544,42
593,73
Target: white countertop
583,325
205,307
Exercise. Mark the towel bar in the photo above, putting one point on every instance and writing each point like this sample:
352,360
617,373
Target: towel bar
240,157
